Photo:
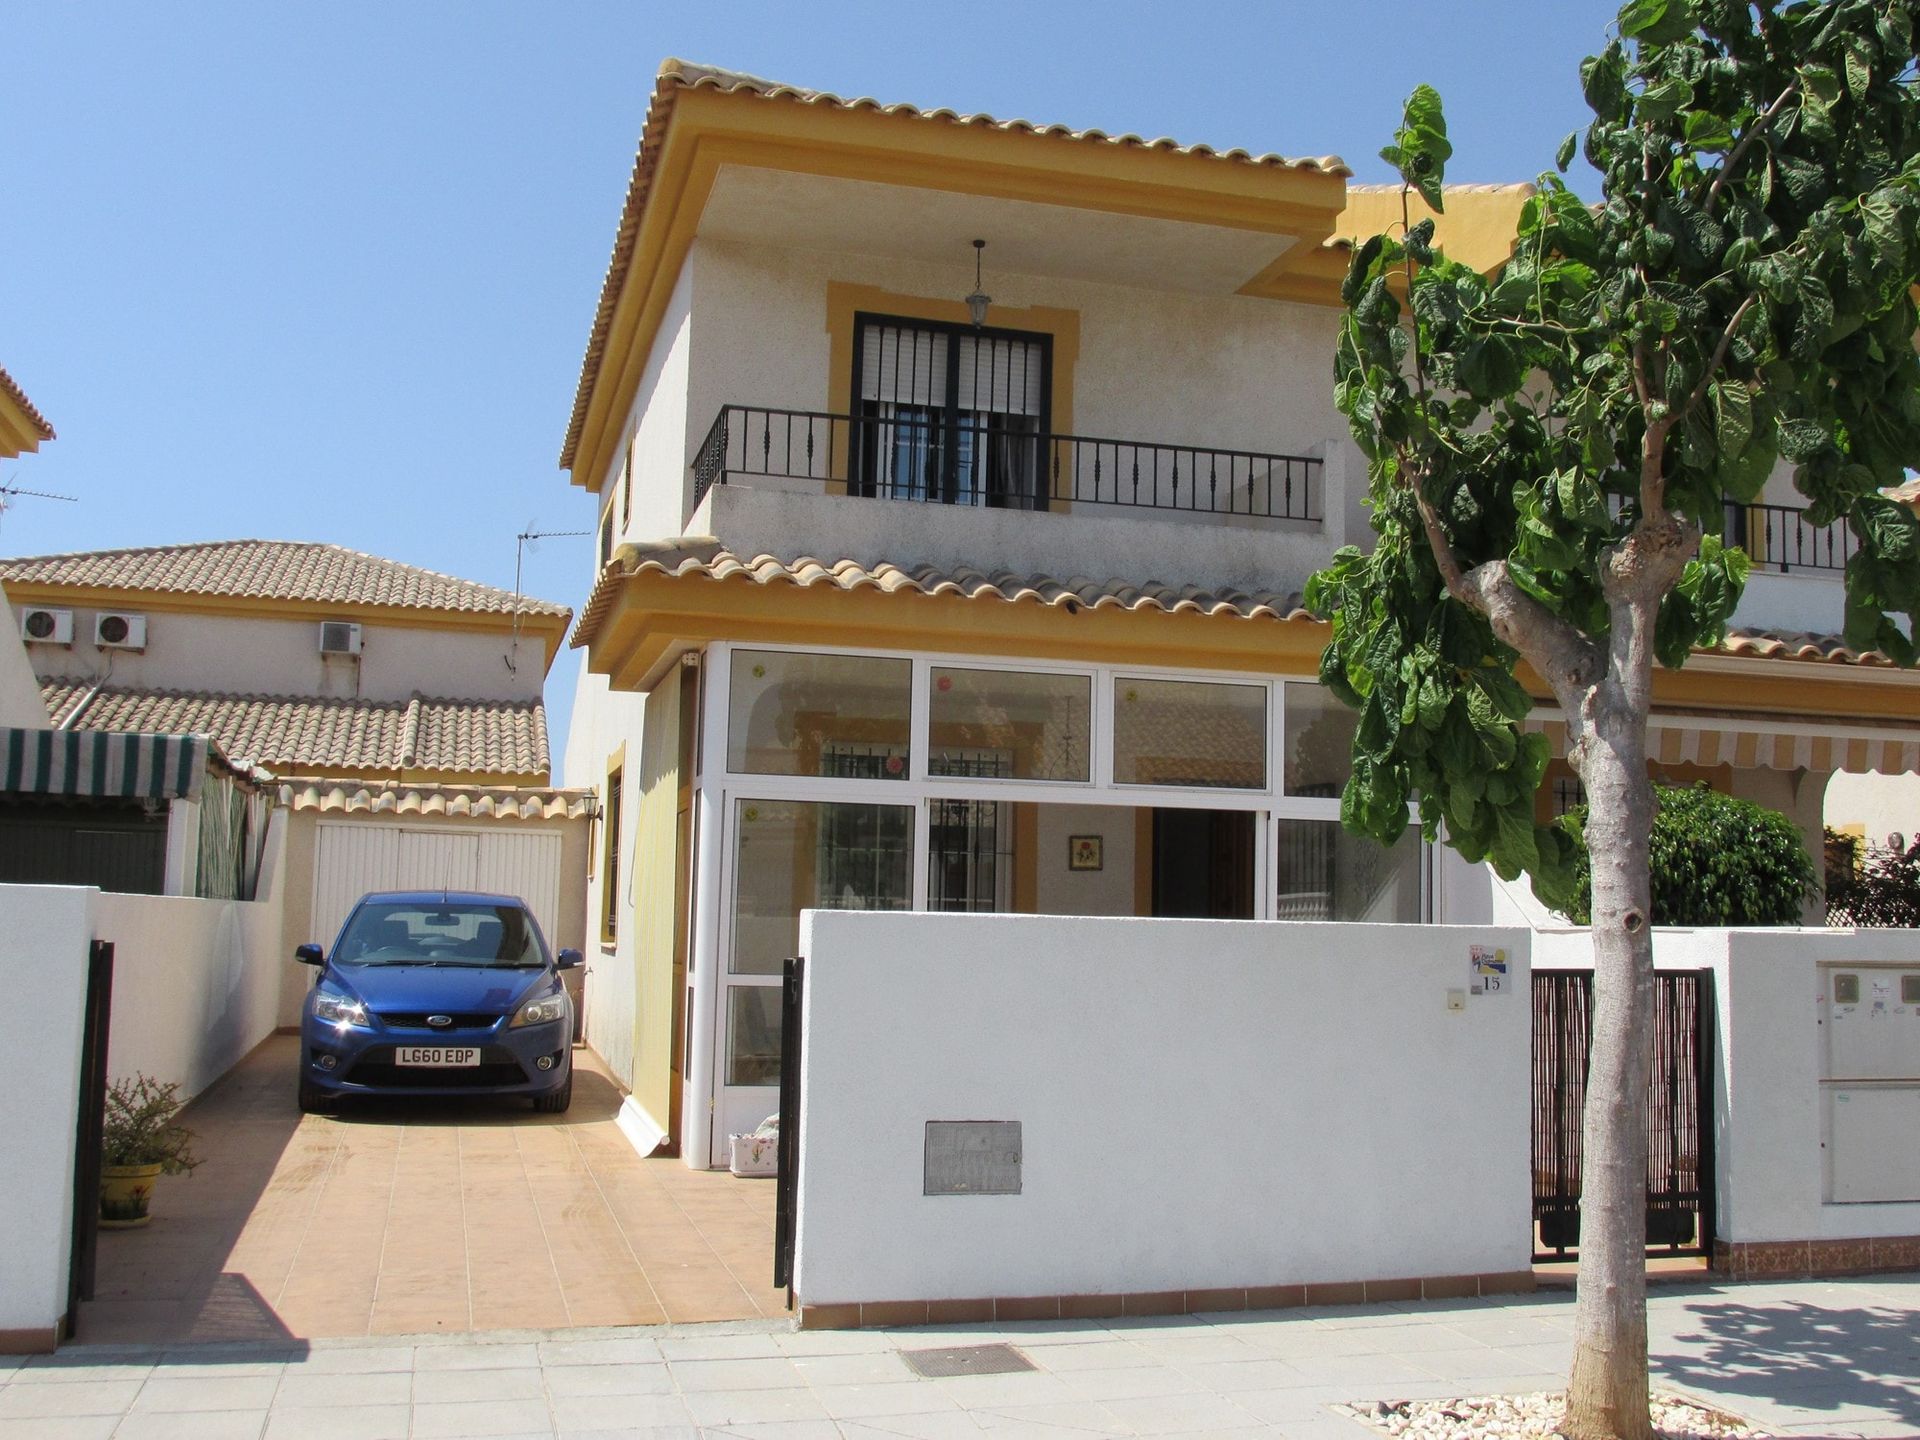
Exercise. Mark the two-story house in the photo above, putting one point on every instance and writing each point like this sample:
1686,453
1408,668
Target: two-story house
397,711
956,482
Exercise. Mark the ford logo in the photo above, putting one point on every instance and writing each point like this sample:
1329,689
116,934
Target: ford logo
439,1021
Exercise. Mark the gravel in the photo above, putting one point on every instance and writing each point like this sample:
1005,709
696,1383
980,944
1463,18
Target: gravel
1533,1417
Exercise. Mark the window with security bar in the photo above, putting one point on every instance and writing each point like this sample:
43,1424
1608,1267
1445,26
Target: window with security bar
950,413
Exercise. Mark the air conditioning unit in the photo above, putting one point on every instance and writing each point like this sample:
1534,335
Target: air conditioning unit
339,637
115,630
41,626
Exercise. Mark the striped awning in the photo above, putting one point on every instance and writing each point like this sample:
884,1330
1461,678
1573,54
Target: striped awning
1746,744
98,763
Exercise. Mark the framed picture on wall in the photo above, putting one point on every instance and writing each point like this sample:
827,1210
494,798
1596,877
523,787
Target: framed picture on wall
1083,852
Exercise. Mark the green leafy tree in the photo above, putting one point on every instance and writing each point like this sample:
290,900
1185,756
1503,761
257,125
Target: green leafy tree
1713,859
1550,451
1868,885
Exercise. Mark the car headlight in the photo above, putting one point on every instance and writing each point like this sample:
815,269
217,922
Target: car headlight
541,1012
338,1009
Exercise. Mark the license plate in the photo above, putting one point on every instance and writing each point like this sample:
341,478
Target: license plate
436,1055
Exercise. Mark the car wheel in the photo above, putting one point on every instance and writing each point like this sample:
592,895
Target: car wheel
555,1102
313,1100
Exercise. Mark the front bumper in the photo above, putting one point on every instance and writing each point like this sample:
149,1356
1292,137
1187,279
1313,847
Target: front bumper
352,1060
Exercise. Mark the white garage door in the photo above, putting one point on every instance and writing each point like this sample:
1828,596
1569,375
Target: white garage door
352,859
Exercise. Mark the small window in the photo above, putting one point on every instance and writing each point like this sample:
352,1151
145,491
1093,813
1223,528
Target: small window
844,716
606,538
1189,732
1012,724
1325,873
610,863
626,485
1320,733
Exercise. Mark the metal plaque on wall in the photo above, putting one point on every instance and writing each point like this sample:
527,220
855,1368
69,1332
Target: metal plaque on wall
973,1157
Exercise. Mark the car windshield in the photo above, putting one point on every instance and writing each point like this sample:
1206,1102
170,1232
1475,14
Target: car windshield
386,932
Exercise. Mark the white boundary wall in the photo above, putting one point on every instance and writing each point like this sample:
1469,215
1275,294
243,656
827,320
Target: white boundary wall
196,985
1770,1162
43,966
1205,1104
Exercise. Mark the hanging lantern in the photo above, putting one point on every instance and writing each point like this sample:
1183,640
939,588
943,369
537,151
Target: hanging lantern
978,301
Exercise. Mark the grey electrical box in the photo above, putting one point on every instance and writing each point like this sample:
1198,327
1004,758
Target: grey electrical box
973,1157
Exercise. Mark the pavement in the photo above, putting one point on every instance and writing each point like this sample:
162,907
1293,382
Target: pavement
426,1216
1827,1359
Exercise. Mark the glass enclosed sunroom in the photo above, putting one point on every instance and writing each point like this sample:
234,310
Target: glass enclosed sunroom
861,780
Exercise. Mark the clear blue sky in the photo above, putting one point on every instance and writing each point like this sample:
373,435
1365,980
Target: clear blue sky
326,271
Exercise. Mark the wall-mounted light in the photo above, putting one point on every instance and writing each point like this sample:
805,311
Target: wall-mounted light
978,301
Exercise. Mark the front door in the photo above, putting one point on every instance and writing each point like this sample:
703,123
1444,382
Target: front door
1203,864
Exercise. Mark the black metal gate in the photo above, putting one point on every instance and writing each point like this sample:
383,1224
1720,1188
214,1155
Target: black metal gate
787,1185
1679,1111
87,1131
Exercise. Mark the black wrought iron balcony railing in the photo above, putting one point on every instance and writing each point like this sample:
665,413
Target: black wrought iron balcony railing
1780,538
1001,461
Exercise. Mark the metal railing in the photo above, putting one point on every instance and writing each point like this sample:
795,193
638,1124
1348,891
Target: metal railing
1002,464
1779,536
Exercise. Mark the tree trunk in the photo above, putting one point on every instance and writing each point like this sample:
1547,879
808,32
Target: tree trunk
1607,1394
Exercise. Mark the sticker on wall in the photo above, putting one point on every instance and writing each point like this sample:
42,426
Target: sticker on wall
1488,967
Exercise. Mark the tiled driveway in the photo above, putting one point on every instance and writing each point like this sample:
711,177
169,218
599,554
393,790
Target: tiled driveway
426,1216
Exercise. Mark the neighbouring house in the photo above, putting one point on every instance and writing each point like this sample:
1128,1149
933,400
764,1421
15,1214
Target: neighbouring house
22,427
942,575
397,712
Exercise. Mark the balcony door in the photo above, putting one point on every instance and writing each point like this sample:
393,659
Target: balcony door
950,413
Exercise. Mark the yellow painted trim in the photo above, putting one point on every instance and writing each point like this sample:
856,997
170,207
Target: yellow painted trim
18,433
1477,228
1143,861
707,129
653,617
610,818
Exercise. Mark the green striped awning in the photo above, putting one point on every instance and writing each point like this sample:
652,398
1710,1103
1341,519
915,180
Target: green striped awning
99,763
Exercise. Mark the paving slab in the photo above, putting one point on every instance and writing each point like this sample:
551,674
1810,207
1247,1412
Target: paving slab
1836,1360
426,1216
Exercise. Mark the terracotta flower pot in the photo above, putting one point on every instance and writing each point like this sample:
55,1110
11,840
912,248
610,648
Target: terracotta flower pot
125,1191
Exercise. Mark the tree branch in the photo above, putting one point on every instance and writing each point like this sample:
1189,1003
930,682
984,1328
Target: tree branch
1738,153
1653,442
1565,658
1719,352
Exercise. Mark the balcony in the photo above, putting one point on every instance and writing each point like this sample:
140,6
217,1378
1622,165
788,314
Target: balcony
920,456
1779,538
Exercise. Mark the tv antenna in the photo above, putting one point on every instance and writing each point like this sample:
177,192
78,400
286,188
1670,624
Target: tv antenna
12,492
528,539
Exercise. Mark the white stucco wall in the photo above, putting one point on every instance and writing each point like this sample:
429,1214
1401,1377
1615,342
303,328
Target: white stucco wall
1879,804
1198,1111
196,983
20,705
1800,602
44,931
659,429
241,655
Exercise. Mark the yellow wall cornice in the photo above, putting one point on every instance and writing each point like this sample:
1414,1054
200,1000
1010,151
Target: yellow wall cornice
655,615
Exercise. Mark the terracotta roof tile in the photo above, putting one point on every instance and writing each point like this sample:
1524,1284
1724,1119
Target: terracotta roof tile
291,734
676,76
699,558
11,389
452,801
271,570
699,561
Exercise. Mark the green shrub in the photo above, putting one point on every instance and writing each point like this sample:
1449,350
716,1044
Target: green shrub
140,1128
1715,860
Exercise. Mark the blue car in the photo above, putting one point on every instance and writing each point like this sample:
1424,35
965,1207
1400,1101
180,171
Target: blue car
437,993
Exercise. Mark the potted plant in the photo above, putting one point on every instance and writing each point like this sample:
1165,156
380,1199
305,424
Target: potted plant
139,1143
